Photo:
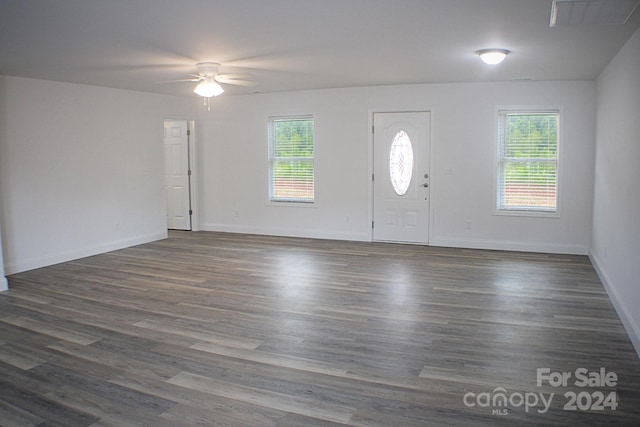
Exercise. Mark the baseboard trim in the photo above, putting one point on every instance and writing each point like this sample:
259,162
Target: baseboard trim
288,232
503,245
51,259
552,248
624,313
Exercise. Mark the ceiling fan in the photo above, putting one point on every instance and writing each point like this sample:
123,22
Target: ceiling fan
209,81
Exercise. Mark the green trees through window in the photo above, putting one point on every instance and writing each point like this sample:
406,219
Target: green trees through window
291,159
527,161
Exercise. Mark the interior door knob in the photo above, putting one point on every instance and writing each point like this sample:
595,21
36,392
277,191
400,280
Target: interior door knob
425,184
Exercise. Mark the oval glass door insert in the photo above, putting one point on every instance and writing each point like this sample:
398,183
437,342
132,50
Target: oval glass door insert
401,163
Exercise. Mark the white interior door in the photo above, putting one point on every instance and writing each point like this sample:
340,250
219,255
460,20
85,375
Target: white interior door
176,178
401,177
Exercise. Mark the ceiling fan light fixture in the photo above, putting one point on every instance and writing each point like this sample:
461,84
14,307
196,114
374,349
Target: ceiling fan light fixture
208,87
493,56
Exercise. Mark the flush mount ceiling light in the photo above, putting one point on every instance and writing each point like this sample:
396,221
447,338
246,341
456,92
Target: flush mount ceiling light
493,56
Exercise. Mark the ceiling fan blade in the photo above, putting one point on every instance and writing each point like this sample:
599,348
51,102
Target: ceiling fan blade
244,76
234,81
180,80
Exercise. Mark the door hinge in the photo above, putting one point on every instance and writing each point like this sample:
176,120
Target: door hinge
371,224
373,129
188,132
189,172
373,177
190,212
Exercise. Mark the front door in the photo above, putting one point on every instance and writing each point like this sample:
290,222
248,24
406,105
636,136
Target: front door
176,174
401,177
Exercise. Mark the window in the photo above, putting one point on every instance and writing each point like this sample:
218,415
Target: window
401,163
291,159
527,168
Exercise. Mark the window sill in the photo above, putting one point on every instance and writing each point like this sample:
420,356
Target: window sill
288,204
531,214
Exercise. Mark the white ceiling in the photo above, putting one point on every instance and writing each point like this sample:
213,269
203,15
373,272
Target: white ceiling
297,44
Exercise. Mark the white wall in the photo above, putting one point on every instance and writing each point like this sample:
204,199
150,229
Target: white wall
615,249
81,169
234,163
4,285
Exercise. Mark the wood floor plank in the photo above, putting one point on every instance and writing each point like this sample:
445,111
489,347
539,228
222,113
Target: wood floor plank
217,410
276,360
13,416
284,402
32,406
227,329
21,356
173,327
50,330
198,416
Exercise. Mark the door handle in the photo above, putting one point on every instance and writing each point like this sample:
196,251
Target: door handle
425,184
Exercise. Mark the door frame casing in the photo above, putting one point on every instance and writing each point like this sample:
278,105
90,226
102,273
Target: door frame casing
193,166
371,113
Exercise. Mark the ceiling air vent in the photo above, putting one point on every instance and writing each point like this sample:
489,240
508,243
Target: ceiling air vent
591,12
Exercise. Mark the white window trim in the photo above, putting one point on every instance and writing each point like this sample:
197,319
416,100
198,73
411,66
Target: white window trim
289,203
528,109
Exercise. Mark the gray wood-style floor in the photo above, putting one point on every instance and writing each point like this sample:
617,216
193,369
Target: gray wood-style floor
224,329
